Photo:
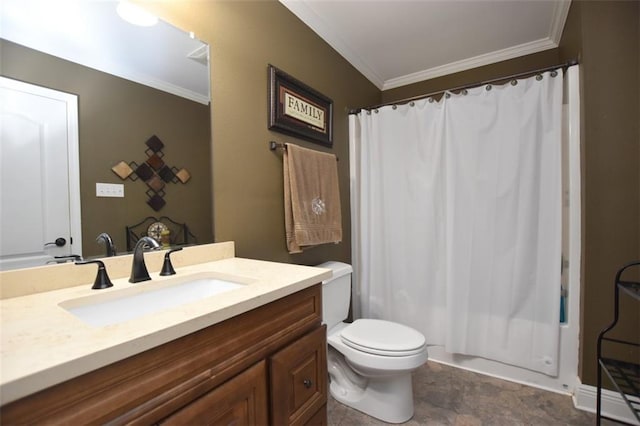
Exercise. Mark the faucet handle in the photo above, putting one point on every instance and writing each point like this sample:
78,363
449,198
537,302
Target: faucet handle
167,267
102,279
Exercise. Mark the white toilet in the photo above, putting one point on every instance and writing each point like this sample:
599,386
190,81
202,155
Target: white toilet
370,361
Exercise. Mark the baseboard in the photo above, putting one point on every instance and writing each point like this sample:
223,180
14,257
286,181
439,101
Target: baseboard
613,405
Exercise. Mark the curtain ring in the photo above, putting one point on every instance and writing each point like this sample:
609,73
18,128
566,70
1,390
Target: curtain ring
430,100
375,110
538,77
465,92
394,107
447,95
412,103
554,73
514,82
368,112
489,87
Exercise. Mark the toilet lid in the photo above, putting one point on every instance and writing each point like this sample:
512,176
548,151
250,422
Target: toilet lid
383,338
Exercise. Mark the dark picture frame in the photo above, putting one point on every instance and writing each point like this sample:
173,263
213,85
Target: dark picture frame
299,110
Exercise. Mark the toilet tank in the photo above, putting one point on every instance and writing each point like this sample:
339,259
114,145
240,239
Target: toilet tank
336,293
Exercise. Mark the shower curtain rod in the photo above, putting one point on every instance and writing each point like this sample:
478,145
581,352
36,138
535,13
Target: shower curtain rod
469,86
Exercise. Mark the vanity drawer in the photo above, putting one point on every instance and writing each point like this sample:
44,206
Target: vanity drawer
299,380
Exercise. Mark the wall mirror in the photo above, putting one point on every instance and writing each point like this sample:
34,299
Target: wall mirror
132,82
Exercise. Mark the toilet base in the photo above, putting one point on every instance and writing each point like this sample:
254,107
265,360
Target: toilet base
389,399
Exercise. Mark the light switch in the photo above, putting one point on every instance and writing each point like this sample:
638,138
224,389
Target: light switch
110,190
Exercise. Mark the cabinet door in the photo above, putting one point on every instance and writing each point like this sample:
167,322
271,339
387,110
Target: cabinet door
299,380
239,401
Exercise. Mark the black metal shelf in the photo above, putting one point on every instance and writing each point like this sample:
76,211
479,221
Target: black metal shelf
632,288
624,375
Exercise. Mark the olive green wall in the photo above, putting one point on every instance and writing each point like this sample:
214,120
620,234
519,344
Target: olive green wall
116,117
246,36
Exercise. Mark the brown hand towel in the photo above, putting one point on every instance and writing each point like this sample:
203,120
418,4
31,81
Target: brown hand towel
311,198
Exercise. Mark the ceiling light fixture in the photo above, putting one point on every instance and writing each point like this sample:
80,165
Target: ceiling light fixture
135,15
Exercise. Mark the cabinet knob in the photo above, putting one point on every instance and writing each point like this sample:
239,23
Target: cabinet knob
307,383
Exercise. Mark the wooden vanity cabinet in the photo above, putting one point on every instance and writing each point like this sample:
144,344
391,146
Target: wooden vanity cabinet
265,366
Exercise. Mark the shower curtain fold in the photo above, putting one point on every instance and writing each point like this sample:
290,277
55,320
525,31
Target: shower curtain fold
456,220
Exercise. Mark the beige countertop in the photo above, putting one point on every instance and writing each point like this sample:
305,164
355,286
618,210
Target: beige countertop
43,344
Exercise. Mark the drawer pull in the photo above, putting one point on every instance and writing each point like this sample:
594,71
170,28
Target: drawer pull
307,383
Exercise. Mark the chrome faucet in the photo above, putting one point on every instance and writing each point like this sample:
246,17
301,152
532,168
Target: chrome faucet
108,242
138,268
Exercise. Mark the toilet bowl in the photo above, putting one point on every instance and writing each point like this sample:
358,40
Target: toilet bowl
370,361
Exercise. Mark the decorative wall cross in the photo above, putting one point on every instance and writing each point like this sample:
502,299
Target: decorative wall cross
154,172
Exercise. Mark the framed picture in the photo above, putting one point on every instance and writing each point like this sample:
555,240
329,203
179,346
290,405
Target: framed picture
299,110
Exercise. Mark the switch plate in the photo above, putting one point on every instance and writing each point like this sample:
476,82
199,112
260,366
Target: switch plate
110,190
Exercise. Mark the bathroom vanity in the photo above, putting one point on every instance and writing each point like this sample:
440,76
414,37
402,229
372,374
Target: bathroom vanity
255,355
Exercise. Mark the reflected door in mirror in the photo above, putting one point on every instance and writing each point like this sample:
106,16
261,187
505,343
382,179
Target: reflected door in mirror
37,137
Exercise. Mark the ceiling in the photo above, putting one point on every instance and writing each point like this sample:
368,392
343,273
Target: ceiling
398,42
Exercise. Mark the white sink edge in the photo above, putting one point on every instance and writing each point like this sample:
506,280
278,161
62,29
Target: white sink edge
145,298
123,288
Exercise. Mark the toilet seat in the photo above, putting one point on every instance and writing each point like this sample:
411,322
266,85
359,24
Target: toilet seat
384,338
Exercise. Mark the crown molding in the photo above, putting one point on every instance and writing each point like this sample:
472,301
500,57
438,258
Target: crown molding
466,64
558,19
156,83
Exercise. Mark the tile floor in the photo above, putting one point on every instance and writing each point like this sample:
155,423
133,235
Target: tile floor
446,395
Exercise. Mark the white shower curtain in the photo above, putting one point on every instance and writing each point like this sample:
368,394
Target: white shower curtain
456,219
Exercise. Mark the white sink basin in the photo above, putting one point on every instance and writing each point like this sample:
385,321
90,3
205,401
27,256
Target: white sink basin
146,298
